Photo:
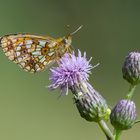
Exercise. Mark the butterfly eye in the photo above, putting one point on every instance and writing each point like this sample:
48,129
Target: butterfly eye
65,41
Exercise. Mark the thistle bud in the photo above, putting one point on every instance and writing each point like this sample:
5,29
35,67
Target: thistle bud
123,116
131,68
91,105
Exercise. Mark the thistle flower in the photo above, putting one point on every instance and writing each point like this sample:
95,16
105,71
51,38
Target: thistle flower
73,73
123,115
131,68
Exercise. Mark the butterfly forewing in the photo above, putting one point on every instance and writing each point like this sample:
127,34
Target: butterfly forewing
30,52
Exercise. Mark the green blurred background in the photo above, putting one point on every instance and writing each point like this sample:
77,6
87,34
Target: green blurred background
28,110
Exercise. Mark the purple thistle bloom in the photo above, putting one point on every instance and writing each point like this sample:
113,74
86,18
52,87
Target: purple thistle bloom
71,71
123,115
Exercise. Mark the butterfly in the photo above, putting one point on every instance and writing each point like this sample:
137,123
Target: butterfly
34,53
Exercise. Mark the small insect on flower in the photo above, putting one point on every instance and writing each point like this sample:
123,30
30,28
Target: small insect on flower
32,52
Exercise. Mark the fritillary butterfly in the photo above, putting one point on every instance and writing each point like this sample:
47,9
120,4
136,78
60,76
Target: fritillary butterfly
32,52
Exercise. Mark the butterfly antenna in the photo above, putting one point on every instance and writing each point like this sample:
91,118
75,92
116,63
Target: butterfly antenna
76,30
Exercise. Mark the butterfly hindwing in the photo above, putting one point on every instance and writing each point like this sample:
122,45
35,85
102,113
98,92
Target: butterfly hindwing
30,52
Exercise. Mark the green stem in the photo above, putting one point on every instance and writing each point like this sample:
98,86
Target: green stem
106,130
131,92
137,121
118,134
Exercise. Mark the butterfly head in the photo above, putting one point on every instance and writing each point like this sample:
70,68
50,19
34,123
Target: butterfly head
68,39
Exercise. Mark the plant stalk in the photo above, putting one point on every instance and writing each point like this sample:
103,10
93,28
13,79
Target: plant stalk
118,134
106,130
131,92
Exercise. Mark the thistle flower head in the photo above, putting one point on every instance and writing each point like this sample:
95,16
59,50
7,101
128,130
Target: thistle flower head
71,71
123,116
131,68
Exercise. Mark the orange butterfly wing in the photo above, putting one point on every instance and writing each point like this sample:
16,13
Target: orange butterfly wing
30,52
